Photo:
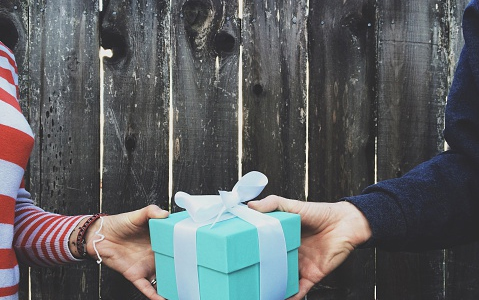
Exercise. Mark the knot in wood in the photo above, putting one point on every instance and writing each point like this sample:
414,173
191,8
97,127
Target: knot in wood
257,89
198,18
8,33
224,42
112,39
197,14
130,142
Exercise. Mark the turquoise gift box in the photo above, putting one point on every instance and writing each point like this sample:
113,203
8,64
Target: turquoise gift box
227,255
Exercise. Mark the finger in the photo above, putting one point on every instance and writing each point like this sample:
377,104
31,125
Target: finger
304,287
155,212
141,216
273,202
144,286
267,204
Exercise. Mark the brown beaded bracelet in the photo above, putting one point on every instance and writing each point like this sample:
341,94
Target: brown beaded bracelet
81,234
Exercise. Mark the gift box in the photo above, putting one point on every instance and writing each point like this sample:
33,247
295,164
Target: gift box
227,257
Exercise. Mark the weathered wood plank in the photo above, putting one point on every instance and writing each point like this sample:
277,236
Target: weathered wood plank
274,94
462,263
64,114
341,124
136,108
205,55
412,85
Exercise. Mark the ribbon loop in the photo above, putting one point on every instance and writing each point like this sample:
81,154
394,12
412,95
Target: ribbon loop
210,207
229,199
250,185
200,208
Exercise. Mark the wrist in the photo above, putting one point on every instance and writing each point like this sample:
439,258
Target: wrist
82,234
90,236
72,240
360,228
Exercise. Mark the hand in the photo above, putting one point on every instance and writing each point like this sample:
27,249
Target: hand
127,248
329,233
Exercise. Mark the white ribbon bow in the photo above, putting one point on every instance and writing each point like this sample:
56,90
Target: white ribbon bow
203,208
209,209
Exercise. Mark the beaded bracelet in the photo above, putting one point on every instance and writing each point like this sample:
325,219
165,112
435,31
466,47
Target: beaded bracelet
81,234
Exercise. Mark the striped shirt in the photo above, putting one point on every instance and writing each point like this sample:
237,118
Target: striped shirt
27,233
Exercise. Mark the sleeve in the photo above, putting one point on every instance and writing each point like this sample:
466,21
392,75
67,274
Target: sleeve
436,204
41,238
38,238
16,141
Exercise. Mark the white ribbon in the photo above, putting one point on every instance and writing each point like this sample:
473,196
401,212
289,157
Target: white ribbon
209,209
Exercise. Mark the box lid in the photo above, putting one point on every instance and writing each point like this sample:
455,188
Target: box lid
229,246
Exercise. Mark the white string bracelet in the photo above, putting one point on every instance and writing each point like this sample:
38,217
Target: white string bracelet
102,237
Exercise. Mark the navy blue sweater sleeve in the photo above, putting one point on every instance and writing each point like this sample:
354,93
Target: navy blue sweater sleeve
436,204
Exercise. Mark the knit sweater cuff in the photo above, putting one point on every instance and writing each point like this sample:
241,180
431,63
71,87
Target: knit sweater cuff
386,219
66,240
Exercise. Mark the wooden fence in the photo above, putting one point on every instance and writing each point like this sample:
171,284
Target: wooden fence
324,97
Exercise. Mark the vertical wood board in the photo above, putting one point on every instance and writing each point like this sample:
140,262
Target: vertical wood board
412,87
64,115
205,54
274,94
136,108
341,124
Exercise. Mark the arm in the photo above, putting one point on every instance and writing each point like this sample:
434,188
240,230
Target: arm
16,140
433,206
47,239
41,238
426,208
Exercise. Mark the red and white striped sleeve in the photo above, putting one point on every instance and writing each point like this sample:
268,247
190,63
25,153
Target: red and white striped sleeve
16,142
27,233
41,238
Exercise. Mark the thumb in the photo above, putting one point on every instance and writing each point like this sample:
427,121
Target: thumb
151,211
155,212
270,203
274,202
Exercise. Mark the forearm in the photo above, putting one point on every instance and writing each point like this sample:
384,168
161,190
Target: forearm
73,239
83,237
42,238
433,206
